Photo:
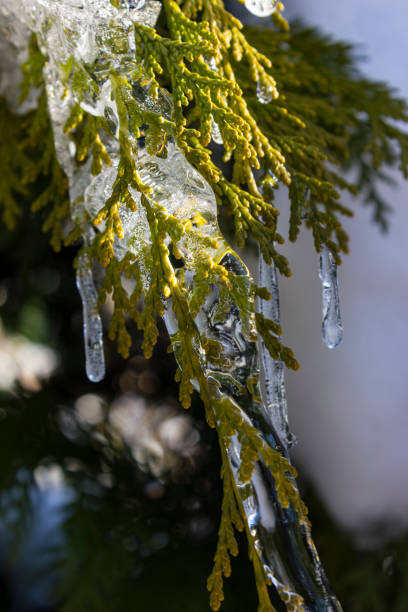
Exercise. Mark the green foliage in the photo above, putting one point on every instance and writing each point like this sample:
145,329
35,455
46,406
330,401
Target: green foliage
227,544
12,161
201,95
328,115
28,157
322,115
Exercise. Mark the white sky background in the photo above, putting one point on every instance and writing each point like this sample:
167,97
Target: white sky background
348,407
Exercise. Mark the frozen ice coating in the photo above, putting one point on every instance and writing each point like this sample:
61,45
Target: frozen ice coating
12,55
184,193
332,327
273,370
78,28
93,331
261,8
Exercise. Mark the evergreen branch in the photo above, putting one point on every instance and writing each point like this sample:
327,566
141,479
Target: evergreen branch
231,422
325,115
227,544
13,160
183,57
346,119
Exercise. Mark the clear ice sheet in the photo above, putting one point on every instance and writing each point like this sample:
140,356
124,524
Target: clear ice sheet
332,327
14,36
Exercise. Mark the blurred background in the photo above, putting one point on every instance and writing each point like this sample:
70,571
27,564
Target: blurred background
349,407
110,494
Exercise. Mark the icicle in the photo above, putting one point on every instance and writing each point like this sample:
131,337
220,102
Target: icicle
332,327
263,94
93,332
261,8
273,370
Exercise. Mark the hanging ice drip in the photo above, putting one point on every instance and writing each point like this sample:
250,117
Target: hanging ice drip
332,327
93,331
83,29
273,370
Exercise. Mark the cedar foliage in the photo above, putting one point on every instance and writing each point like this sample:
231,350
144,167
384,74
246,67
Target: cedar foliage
322,118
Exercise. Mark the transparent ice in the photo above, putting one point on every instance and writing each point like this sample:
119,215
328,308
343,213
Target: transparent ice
79,28
261,8
332,327
263,94
273,370
93,331
215,130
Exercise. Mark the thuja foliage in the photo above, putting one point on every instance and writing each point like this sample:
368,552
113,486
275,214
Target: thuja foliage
320,118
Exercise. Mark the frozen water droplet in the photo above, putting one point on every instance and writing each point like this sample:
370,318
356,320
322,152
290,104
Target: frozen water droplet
216,133
332,327
261,8
263,94
93,333
215,130
212,64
